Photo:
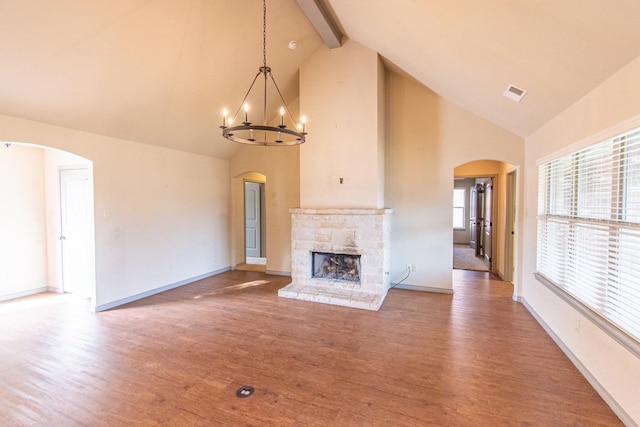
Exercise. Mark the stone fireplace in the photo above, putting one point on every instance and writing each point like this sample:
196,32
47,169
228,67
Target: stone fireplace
340,256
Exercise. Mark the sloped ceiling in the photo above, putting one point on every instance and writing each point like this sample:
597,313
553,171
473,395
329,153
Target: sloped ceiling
153,71
468,51
160,71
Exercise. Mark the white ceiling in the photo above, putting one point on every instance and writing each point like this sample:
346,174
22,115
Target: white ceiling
160,71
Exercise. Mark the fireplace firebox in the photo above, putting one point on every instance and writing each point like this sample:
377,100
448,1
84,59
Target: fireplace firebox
333,266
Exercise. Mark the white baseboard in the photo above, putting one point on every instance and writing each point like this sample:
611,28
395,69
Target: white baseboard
619,411
422,288
113,304
278,273
23,293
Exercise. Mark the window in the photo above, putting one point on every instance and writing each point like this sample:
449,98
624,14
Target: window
589,228
459,197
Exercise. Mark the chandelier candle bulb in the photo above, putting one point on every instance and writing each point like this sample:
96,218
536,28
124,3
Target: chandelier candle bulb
224,117
281,117
246,112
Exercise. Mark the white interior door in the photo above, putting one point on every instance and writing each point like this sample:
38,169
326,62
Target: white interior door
509,247
488,222
75,238
473,217
480,212
252,217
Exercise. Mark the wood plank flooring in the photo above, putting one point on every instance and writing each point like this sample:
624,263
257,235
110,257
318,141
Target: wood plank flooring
474,358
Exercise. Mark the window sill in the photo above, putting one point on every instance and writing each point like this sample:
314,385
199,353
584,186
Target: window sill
606,326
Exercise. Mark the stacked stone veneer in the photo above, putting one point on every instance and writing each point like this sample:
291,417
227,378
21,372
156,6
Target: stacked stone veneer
364,232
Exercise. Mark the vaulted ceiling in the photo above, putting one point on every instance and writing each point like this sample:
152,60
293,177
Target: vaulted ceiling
160,71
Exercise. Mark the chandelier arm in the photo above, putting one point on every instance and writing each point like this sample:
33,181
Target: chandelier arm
246,95
282,98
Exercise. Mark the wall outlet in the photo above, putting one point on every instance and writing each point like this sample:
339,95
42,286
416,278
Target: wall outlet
411,267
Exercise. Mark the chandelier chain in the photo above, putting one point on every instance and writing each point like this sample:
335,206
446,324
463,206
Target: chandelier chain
264,33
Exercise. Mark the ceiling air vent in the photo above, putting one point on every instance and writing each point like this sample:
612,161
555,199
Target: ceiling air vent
515,93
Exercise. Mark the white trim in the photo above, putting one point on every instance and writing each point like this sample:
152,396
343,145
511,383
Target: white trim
278,273
132,298
606,326
409,287
613,404
610,132
24,293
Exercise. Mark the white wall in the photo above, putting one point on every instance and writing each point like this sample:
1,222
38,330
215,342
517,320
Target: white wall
23,254
615,368
161,215
427,137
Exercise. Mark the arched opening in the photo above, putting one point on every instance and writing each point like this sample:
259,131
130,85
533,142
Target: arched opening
47,221
484,217
249,221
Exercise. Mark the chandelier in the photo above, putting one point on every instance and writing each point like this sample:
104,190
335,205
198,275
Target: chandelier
263,134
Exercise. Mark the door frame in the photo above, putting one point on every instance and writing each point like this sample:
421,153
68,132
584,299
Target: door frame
262,209
494,215
511,187
90,229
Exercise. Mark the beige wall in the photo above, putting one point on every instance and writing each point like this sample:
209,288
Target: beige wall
161,215
23,255
281,169
340,92
613,103
427,137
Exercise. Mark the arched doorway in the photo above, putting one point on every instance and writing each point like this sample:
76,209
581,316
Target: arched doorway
485,217
249,221
47,221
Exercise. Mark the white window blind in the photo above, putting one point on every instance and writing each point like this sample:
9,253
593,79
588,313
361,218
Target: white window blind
589,228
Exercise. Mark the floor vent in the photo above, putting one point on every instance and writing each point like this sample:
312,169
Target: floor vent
245,391
515,93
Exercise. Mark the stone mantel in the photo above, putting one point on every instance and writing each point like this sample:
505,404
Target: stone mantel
340,211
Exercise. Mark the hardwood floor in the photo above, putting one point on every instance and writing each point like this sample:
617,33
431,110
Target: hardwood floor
472,359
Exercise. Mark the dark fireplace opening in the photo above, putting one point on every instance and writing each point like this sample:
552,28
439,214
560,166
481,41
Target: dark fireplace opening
335,266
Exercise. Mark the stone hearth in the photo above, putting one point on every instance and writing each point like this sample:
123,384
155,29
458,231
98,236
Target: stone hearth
360,232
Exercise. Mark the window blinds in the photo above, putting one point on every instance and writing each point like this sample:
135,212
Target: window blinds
589,228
